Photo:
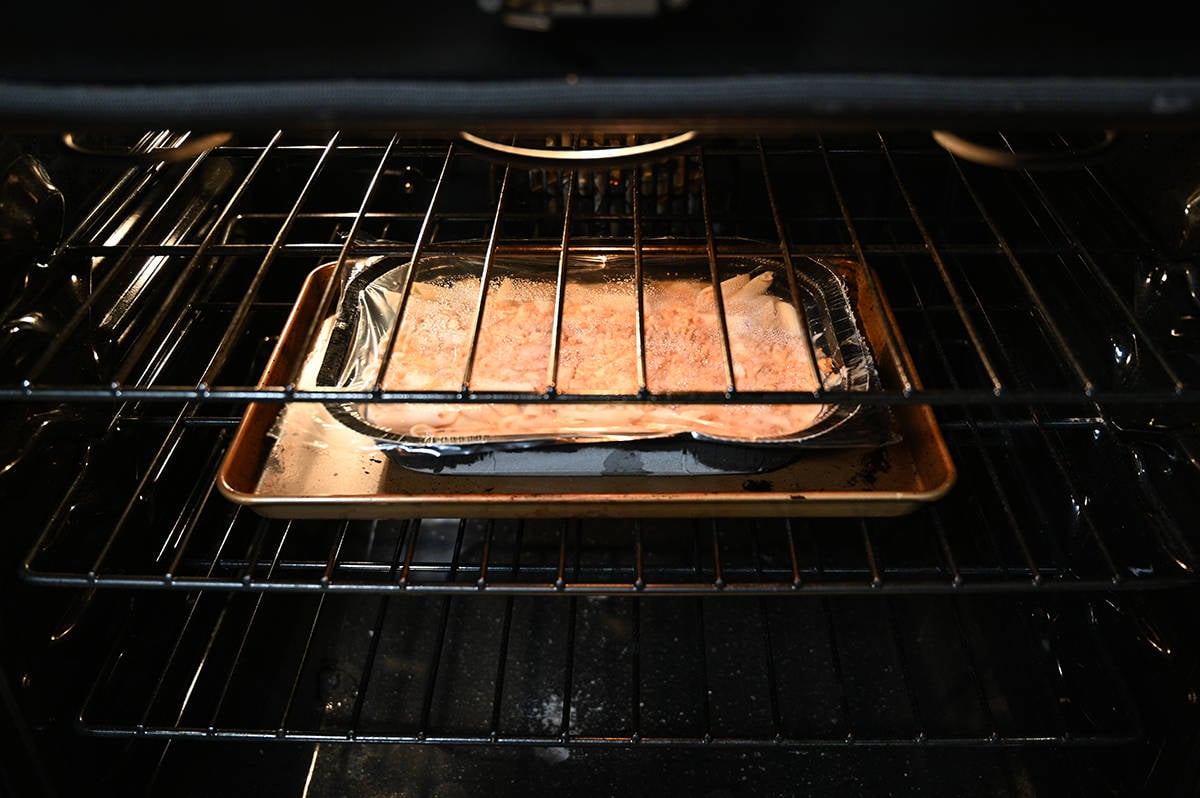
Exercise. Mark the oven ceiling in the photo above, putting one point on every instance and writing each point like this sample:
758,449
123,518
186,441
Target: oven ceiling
451,62
144,42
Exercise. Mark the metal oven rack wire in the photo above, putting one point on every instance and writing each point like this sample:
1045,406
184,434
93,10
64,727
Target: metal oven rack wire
998,280
992,263
915,671
1024,521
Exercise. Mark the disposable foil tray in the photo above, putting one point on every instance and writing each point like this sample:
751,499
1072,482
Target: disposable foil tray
776,340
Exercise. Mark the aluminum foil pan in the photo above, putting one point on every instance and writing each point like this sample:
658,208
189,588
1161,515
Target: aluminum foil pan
774,346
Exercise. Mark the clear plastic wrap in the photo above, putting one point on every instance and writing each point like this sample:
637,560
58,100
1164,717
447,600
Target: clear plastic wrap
773,345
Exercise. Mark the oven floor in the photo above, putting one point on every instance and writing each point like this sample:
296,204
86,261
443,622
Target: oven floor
327,770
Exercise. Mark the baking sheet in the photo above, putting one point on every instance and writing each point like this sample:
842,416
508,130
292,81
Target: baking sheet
285,475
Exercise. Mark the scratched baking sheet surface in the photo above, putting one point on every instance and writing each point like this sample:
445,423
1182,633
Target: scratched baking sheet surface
314,454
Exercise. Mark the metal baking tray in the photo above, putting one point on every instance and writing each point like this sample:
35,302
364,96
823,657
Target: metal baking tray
273,471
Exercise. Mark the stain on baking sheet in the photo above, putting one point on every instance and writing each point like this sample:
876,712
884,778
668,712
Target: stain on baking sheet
873,463
758,485
624,462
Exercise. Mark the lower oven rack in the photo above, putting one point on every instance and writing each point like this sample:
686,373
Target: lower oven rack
583,672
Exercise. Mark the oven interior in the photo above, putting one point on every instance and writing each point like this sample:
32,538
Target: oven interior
1028,634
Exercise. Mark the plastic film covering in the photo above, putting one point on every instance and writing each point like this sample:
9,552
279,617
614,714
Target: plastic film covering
767,339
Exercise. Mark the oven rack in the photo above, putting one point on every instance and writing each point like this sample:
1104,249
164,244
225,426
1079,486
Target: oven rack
990,264
1039,507
904,671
